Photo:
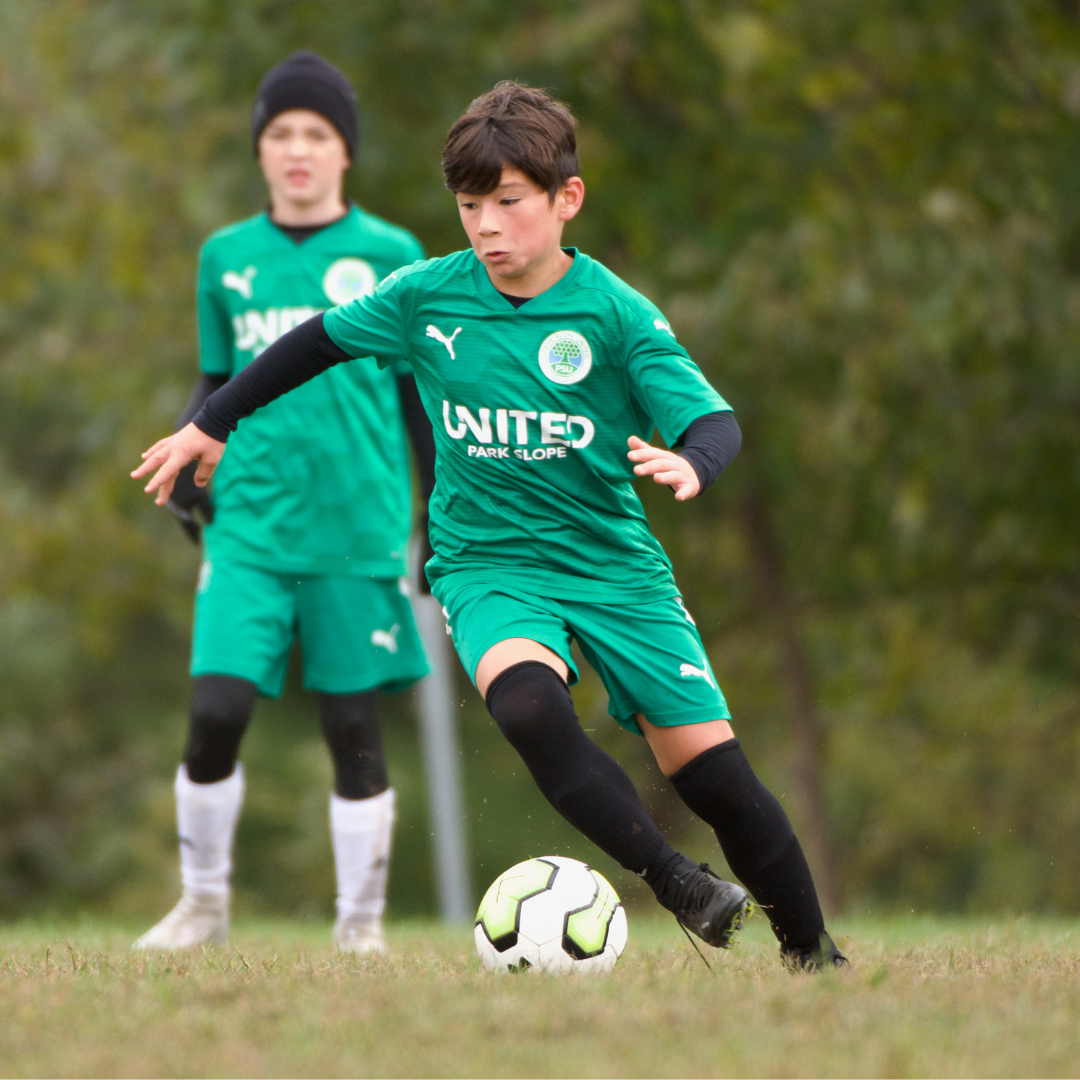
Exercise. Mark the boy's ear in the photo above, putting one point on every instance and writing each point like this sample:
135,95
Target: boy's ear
570,197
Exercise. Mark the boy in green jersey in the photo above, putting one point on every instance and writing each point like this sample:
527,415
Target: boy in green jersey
287,554
539,367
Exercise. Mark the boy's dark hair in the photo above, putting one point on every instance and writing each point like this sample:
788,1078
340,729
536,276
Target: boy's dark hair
513,127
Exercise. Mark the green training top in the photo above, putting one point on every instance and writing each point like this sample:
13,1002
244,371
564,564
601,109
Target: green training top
337,503
532,407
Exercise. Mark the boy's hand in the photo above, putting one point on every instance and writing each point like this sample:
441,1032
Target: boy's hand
170,455
664,467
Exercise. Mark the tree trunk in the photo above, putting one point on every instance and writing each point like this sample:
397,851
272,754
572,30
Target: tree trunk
799,689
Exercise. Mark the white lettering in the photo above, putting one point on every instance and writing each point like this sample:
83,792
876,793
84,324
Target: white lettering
551,427
482,431
497,453
255,331
588,430
454,433
292,317
243,341
521,433
557,431
263,325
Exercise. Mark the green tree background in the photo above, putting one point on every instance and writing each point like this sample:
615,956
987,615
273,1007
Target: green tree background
864,222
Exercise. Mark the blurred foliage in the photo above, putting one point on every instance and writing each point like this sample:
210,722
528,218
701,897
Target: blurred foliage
862,219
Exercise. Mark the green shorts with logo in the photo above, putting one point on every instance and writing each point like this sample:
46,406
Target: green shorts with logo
356,633
649,656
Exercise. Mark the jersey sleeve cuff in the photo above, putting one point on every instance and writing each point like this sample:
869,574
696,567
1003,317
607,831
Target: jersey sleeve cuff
210,425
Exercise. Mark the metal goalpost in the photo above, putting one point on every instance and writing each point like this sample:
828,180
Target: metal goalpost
442,765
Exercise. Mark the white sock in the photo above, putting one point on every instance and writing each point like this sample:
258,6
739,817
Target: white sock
206,815
361,832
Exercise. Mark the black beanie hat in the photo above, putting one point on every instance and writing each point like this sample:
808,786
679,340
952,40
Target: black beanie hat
306,81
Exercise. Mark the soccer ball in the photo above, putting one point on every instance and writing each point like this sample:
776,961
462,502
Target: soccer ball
551,914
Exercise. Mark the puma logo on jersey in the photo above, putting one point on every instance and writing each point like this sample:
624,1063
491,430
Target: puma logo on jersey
240,282
688,671
437,334
386,639
661,325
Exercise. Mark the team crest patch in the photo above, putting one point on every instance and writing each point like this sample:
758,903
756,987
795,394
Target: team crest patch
565,357
349,279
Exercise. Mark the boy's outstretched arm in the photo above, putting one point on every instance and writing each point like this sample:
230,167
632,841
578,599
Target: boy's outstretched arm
295,358
709,445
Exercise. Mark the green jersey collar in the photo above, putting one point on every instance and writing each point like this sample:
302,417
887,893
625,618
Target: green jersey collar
497,302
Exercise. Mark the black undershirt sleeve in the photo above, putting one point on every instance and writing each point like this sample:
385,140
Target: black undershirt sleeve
710,444
294,359
421,436
423,443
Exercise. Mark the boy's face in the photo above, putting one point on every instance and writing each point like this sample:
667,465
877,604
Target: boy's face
303,158
516,227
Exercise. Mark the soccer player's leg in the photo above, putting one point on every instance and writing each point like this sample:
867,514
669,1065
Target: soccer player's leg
516,648
358,638
663,685
243,631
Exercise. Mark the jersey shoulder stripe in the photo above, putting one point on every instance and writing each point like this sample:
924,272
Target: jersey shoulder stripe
598,278
425,275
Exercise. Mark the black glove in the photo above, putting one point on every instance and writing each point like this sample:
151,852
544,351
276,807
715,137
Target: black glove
425,552
190,503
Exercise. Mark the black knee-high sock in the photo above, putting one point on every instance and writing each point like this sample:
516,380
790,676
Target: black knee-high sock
534,710
757,839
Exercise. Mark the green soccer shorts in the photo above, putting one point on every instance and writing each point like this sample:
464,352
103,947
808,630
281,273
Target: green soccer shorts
649,656
356,633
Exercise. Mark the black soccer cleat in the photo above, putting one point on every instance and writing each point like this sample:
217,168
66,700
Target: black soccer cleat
823,955
710,907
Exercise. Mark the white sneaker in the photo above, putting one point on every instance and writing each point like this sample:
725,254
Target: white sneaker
360,934
194,921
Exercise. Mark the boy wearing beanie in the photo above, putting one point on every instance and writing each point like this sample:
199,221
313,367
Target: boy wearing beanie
287,556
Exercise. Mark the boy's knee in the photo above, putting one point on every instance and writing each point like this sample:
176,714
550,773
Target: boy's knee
350,724
531,704
221,707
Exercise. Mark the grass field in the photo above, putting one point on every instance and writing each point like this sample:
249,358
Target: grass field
923,998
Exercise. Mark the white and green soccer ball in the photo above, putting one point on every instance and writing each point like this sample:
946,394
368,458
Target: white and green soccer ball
551,914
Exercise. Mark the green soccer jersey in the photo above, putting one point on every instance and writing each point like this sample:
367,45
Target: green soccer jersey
284,500
532,407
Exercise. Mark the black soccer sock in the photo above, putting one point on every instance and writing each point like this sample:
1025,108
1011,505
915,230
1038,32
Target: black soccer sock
350,723
533,708
757,840
220,710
